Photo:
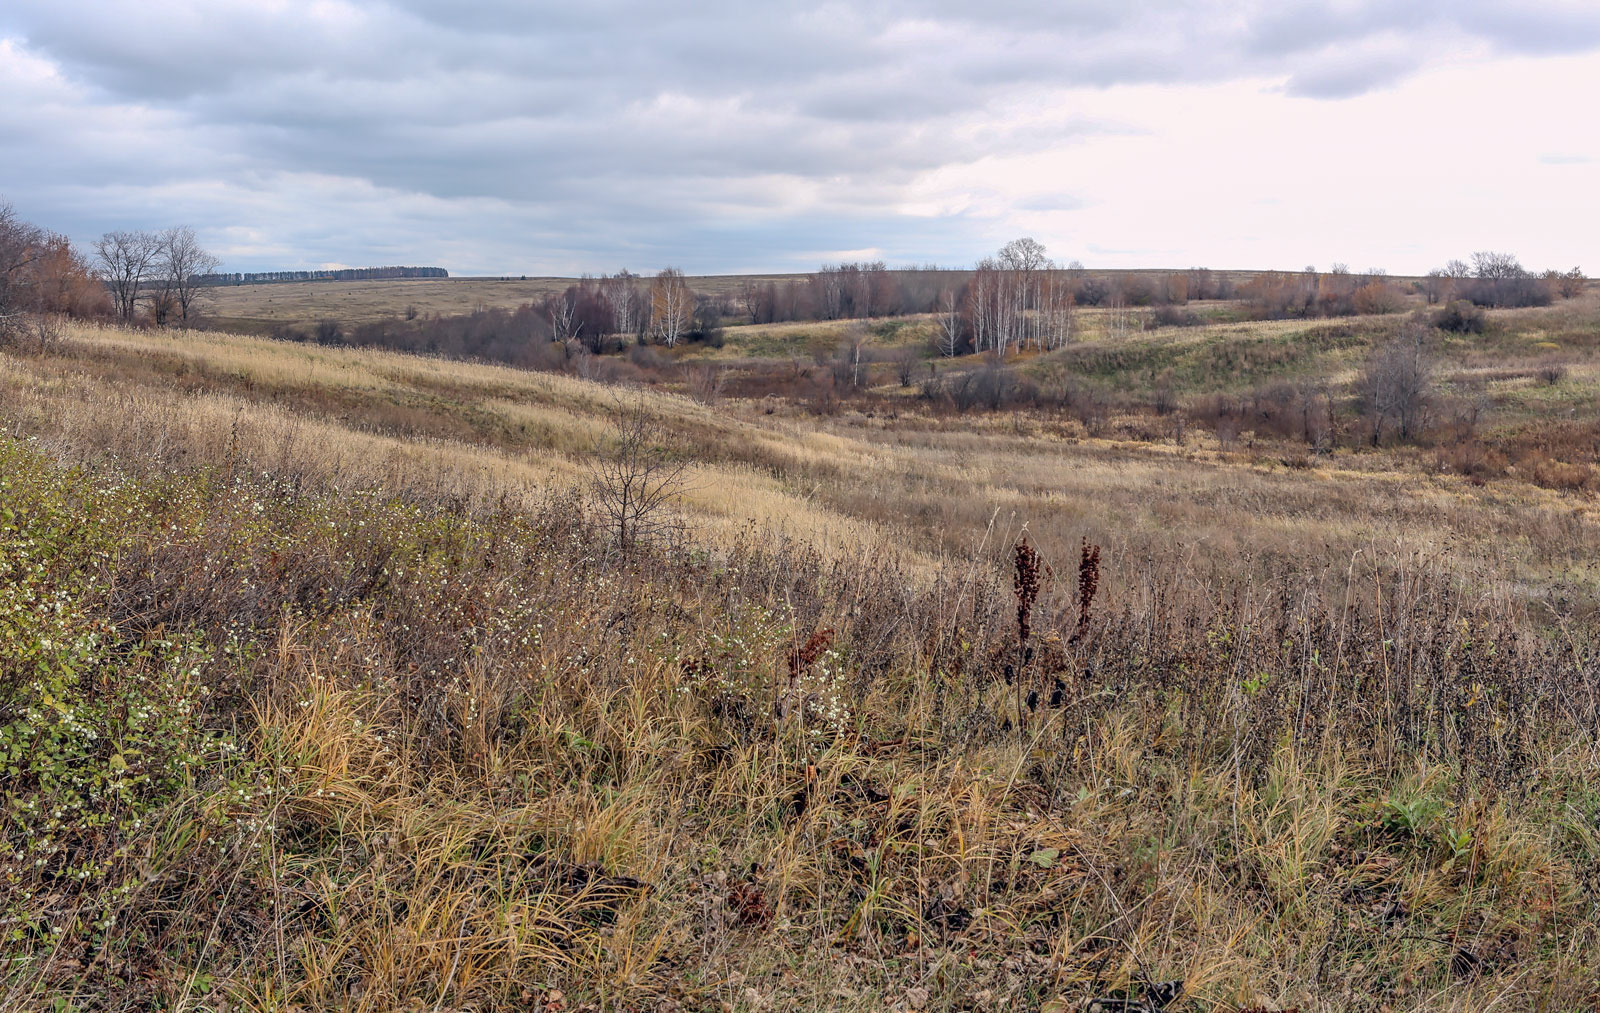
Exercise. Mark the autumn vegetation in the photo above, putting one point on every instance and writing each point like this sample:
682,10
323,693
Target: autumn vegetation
668,657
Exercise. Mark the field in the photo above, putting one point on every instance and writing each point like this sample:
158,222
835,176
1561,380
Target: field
260,308
330,684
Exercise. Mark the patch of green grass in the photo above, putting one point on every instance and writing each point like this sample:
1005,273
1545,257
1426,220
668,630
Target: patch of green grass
1221,360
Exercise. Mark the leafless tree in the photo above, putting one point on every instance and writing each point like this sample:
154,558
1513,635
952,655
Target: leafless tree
1313,401
1501,280
951,324
750,300
635,478
1437,286
1572,283
621,293
1017,297
671,306
905,366
126,260
563,311
21,246
181,264
584,362
857,338
705,383
1397,384
1492,265
1023,261
831,282
1056,316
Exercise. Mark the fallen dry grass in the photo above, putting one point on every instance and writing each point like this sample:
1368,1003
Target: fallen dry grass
1323,738
930,485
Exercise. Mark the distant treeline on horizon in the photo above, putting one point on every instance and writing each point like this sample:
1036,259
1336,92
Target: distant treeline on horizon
343,274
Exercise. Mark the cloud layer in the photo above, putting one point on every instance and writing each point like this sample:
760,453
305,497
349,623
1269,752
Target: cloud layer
504,136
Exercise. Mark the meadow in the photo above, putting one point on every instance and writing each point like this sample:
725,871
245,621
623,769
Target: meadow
325,683
261,308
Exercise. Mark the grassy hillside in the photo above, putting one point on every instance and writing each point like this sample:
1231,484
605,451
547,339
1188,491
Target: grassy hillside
323,686
259,309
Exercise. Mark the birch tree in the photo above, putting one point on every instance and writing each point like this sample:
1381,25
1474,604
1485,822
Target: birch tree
950,323
671,306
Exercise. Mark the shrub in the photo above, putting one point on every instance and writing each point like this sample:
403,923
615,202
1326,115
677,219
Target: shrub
100,735
1092,291
648,357
1378,297
1472,460
1397,385
1169,315
1460,317
1549,473
1551,373
1164,397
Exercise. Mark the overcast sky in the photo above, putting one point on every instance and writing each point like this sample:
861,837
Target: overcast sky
729,136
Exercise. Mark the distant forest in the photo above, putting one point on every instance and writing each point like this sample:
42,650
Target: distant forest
343,274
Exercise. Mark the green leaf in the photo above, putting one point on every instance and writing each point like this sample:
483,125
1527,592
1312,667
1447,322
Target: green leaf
1045,858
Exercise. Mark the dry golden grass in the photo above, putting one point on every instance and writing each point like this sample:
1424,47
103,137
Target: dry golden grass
850,481
259,308
1324,735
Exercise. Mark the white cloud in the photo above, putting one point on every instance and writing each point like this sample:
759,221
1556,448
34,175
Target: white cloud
501,137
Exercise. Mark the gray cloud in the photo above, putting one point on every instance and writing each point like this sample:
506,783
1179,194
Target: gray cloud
531,132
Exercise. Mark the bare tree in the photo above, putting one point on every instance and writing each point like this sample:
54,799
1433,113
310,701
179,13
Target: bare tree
831,281
1572,283
1025,254
905,366
1313,402
180,265
671,306
21,246
635,478
562,308
1501,280
1024,262
856,339
705,383
1493,265
951,324
1437,286
1397,384
1055,311
621,293
125,260
750,300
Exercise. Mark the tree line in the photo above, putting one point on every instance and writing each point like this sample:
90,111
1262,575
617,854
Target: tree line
1018,298
1499,279
134,276
338,274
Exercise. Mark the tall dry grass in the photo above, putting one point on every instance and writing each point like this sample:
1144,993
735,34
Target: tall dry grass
452,752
